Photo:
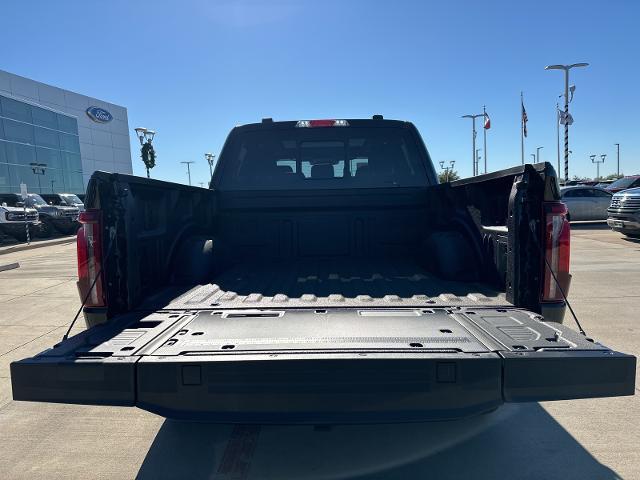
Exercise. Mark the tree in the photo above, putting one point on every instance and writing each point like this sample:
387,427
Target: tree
448,176
613,176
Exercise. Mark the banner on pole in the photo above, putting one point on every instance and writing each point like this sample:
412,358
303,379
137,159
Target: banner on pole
565,118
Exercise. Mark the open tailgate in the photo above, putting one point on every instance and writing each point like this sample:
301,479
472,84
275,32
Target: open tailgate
317,366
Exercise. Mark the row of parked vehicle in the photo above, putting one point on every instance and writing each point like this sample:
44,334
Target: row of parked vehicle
618,203
45,214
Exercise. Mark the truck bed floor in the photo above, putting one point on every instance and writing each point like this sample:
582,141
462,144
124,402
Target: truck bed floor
333,281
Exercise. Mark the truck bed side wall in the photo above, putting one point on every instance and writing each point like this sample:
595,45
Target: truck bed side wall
146,221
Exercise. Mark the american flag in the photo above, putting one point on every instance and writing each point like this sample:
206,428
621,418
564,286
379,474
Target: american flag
524,119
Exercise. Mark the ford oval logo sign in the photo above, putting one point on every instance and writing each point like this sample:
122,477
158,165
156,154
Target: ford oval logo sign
99,115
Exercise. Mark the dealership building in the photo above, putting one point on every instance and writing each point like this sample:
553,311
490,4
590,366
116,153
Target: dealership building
53,139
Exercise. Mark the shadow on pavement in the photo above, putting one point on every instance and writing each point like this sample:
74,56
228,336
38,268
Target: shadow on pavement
516,441
589,226
631,239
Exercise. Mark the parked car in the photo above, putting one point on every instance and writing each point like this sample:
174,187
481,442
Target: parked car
624,183
63,199
63,219
325,277
12,218
604,183
624,212
586,203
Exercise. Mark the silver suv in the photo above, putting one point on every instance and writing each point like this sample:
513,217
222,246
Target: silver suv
624,212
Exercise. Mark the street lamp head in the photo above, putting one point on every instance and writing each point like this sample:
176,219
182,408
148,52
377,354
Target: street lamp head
566,67
140,131
149,134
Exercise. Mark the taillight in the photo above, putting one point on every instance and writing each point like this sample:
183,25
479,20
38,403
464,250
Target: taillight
89,243
557,251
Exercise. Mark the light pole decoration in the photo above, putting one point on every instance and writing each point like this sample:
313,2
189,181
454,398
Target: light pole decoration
188,164
473,126
598,162
147,153
210,158
566,118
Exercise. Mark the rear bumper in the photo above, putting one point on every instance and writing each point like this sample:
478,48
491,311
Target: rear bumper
325,388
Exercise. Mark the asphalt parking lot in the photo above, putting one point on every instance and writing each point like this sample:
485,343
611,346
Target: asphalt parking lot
585,439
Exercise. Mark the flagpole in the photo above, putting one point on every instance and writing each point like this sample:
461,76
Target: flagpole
484,111
558,135
521,128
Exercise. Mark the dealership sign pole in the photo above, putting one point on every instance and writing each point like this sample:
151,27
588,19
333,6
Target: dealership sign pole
23,194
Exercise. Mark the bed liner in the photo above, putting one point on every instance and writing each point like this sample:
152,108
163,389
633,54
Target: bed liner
332,282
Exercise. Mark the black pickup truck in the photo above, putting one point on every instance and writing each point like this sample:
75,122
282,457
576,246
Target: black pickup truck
324,277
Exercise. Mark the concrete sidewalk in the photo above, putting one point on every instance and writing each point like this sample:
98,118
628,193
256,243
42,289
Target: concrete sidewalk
19,247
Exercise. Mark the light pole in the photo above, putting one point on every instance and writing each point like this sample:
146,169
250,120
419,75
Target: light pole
447,170
188,170
598,162
473,151
618,157
38,169
478,157
147,153
566,120
210,157
52,182
538,154
533,155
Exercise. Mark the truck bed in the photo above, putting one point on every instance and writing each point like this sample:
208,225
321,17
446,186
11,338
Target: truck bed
327,282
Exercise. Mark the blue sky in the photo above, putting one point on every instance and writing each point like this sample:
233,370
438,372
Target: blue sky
191,70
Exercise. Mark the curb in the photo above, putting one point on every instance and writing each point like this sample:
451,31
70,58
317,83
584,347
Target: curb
38,244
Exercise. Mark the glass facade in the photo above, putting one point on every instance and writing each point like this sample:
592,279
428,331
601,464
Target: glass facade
34,135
